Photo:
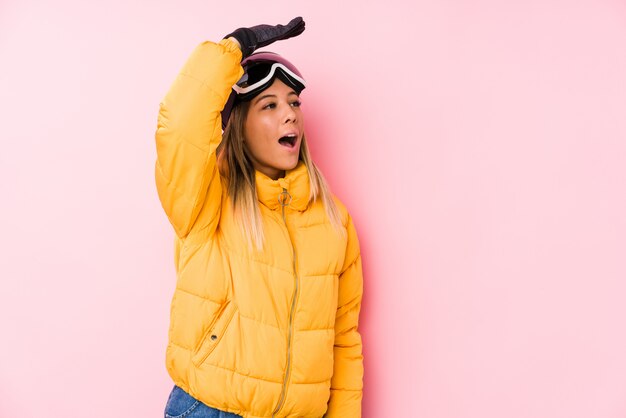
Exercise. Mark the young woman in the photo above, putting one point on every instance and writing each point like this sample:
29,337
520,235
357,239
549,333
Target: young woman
265,312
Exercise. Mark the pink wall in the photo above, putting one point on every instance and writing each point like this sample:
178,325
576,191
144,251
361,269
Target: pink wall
480,146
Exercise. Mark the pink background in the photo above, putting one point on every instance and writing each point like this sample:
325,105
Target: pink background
480,146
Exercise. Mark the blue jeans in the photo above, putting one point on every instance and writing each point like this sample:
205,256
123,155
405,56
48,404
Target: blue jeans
180,404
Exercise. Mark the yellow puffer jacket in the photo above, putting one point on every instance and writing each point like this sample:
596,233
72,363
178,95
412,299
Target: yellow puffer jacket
259,334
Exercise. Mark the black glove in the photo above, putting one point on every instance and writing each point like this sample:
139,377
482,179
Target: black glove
263,35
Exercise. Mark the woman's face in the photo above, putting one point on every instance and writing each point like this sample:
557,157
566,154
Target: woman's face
273,130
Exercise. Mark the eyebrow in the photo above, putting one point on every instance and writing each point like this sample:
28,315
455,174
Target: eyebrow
265,96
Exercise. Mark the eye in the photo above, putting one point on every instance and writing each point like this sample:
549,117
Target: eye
270,105
296,103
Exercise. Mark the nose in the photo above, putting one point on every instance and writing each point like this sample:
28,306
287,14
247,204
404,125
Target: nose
290,114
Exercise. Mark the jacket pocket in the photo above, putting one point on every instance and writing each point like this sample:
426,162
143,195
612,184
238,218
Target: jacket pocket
214,333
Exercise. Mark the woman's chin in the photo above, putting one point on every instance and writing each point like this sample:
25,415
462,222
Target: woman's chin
289,164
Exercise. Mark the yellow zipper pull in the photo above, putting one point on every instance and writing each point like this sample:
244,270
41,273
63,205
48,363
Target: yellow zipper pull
284,198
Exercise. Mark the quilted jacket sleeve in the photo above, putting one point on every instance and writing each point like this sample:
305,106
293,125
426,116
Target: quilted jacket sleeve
188,132
347,382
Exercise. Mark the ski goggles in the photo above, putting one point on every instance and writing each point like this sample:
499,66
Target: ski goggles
260,71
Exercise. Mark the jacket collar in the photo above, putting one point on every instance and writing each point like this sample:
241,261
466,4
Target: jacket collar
296,181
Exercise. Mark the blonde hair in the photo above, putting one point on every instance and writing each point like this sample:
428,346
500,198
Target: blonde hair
235,165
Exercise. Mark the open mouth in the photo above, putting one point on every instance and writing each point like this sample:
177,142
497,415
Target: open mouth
288,141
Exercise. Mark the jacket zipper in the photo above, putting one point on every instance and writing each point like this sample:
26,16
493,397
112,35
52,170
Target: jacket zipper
286,197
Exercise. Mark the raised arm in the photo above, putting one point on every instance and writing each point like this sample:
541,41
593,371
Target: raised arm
188,133
190,129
